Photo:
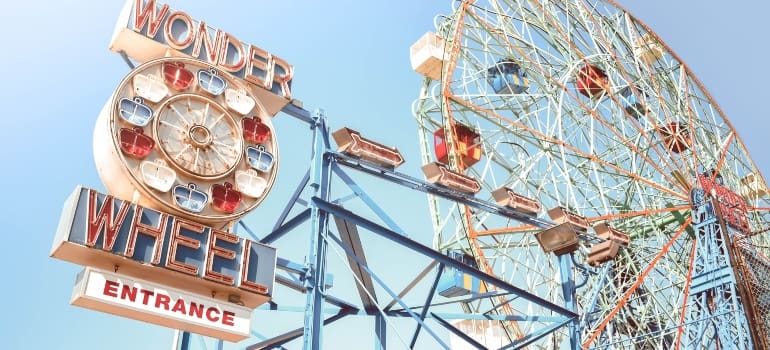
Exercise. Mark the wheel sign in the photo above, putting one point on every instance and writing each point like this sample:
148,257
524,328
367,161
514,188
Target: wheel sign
170,122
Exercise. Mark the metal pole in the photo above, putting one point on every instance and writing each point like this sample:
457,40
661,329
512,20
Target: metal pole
181,340
568,291
380,329
316,269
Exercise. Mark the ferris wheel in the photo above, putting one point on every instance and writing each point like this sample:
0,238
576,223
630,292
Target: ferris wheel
575,111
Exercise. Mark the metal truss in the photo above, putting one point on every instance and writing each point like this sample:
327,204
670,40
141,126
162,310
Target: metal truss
313,203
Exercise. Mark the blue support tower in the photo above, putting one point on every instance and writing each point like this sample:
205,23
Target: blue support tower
715,315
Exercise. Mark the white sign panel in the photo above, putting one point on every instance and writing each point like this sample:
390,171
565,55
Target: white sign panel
140,300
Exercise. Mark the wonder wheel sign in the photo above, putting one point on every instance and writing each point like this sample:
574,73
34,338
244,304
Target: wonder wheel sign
185,146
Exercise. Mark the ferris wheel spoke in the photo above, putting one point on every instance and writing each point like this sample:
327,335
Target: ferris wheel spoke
624,299
612,217
571,148
612,129
686,294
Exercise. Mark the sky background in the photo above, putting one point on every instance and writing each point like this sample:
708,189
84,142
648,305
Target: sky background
351,58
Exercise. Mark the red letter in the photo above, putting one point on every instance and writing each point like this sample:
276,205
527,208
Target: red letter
177,239
196,310
248,261
212,318
285,78
215,251
103,220
184,39
147,295
162,299
179,306
110,288
212,49
262,60
227,318
129,292
148,14
239,57
138,227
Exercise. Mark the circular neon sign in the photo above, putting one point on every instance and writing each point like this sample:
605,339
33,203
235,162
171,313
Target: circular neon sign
185,138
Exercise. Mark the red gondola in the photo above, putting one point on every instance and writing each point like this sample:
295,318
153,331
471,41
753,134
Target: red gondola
468,145
591,81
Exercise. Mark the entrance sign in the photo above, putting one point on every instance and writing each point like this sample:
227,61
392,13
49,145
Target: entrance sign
148,302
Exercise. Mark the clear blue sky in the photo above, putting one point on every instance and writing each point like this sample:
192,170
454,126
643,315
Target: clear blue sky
350,57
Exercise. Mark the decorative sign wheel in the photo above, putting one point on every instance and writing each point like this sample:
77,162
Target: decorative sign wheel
185,138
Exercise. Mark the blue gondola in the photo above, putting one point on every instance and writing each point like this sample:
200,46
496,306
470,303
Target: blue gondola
259,158
211,82
507,77
634,102
455,283
135,111
189,198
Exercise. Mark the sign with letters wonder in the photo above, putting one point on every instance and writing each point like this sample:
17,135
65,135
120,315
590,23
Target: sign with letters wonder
147,29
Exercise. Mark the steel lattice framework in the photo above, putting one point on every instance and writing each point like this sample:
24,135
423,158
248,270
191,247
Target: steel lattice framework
574,104
625,148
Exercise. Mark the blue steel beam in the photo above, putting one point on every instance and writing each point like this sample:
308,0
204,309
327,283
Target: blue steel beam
299,113
412,284
427,187
314,280
441,258
286,227
380,331
428,301
386,288
293,334
292,200
248,230
568,292
457,332
535,336
368,200
407,181
353,310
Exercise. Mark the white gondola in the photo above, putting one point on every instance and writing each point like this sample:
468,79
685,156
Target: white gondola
427,56
752,187
150,87
249,183
239,101
158,175
648,49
